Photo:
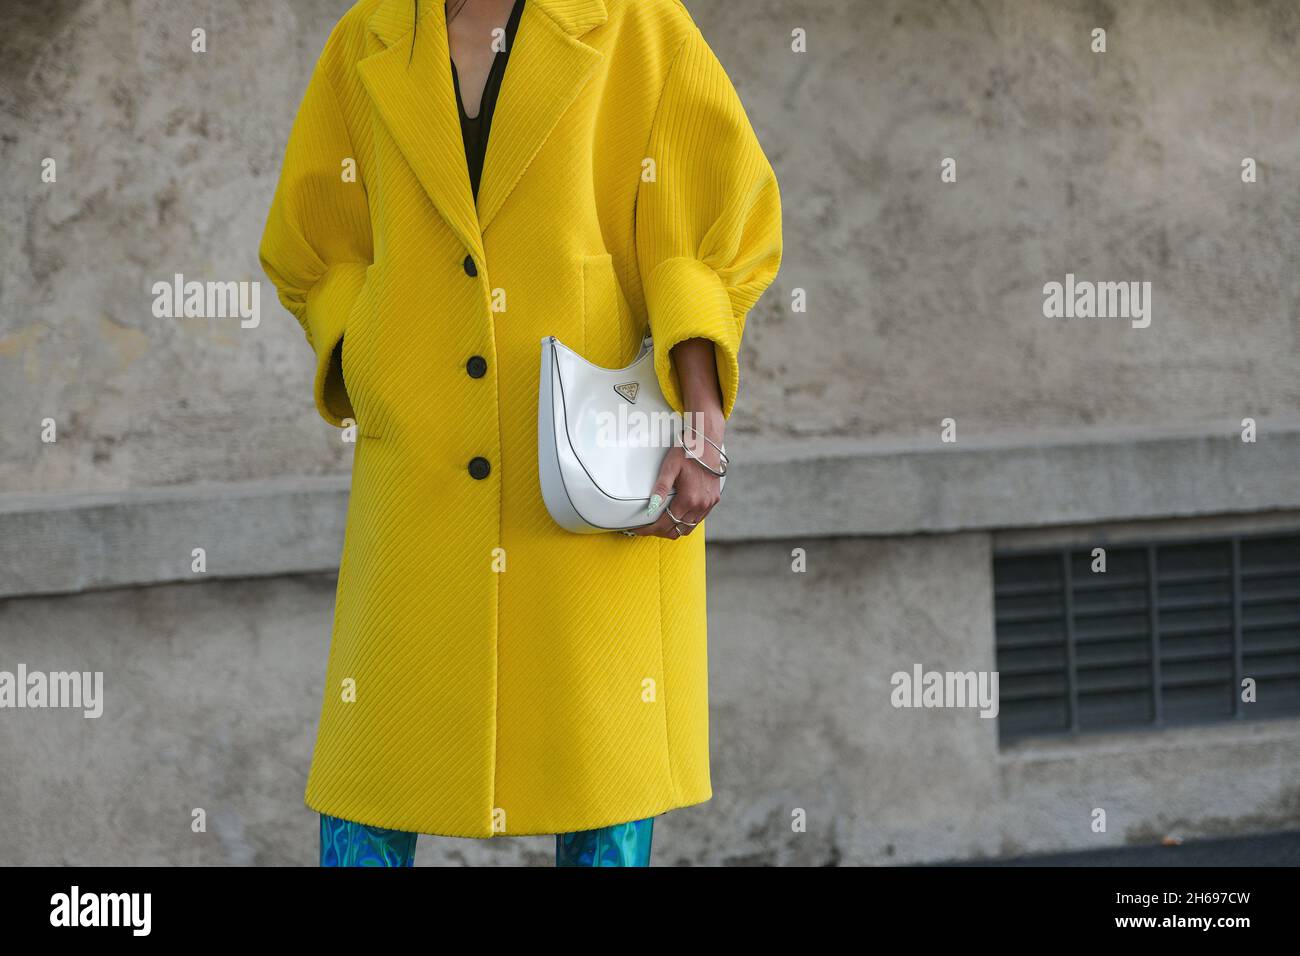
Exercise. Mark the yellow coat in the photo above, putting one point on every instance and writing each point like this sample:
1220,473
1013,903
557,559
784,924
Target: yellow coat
491,673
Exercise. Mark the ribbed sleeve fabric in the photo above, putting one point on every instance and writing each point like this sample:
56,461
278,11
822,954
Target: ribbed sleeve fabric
708,228
316,246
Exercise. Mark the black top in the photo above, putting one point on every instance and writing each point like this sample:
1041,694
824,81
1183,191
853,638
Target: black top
474,130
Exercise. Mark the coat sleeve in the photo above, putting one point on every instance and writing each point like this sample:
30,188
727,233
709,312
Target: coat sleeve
708,228
316,246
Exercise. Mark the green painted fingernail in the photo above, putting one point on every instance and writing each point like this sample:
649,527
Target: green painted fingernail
655,502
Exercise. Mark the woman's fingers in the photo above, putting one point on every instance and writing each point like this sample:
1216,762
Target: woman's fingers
696,492
668,472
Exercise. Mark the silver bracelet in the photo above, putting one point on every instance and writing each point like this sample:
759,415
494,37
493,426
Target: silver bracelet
723,460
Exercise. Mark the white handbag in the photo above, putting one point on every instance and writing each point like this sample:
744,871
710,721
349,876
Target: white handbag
602,435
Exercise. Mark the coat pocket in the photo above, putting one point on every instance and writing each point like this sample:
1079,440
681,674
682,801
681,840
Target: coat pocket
608,336
358,356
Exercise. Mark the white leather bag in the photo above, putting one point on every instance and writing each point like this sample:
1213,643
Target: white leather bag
602,435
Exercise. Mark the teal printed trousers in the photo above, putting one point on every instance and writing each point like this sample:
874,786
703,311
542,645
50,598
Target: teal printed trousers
344,843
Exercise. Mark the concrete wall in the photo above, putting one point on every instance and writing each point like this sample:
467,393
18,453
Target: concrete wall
925,301
212,693
924,298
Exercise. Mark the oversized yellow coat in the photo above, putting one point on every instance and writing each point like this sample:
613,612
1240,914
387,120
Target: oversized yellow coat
489,672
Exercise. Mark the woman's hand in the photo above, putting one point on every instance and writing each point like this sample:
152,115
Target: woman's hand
697,489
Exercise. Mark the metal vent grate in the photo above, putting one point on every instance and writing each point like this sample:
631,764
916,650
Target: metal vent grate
1163,637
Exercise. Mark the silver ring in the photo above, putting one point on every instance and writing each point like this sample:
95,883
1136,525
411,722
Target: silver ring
627,533
689,524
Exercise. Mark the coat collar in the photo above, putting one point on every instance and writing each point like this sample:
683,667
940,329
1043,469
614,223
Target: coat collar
411,86
392,19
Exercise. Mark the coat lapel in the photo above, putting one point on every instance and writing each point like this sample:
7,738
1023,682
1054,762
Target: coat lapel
412,90
547,69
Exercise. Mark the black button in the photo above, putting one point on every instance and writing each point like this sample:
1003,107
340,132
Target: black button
479,468
476,366
470,268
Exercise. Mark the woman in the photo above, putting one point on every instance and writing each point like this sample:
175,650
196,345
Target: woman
490,673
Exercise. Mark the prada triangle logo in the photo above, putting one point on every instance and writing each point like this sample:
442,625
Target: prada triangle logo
628,390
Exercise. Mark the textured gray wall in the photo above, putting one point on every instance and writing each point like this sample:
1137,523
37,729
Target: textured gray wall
212,693
924,302
924,298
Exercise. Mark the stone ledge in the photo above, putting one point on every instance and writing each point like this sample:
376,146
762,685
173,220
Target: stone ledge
57,543
1010,481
